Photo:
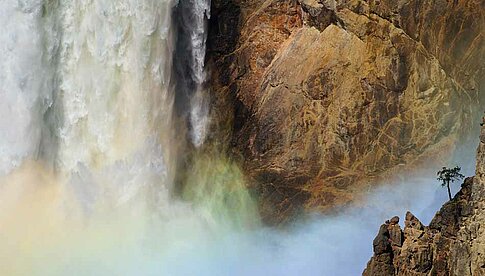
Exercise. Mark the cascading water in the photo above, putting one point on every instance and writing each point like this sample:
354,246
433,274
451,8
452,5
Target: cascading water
92,94
191,19
26,79
88,146
114,73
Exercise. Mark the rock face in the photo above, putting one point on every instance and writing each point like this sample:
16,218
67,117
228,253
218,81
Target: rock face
325,97
453,243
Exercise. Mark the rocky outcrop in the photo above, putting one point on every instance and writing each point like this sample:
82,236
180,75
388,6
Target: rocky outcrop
326,97
453,243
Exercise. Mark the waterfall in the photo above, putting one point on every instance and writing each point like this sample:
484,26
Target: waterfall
115,74
92,92
191,19
26,81
94,78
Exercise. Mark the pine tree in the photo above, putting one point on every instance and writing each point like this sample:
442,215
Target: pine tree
447,176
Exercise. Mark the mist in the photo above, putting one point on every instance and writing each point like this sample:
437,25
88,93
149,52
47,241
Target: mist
46,231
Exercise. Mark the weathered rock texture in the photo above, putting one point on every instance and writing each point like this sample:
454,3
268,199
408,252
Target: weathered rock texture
453,243
324,97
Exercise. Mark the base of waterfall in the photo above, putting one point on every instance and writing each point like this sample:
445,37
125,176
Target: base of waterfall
47,230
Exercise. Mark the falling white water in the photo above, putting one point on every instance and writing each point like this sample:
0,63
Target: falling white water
26,81
199,104
194,16
115,66
93,79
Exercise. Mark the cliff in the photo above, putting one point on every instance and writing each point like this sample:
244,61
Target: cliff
324,98
453,243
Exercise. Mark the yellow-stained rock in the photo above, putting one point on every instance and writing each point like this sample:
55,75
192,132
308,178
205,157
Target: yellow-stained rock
329,96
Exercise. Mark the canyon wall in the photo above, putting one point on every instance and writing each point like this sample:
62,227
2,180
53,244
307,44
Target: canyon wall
453,243
322,98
